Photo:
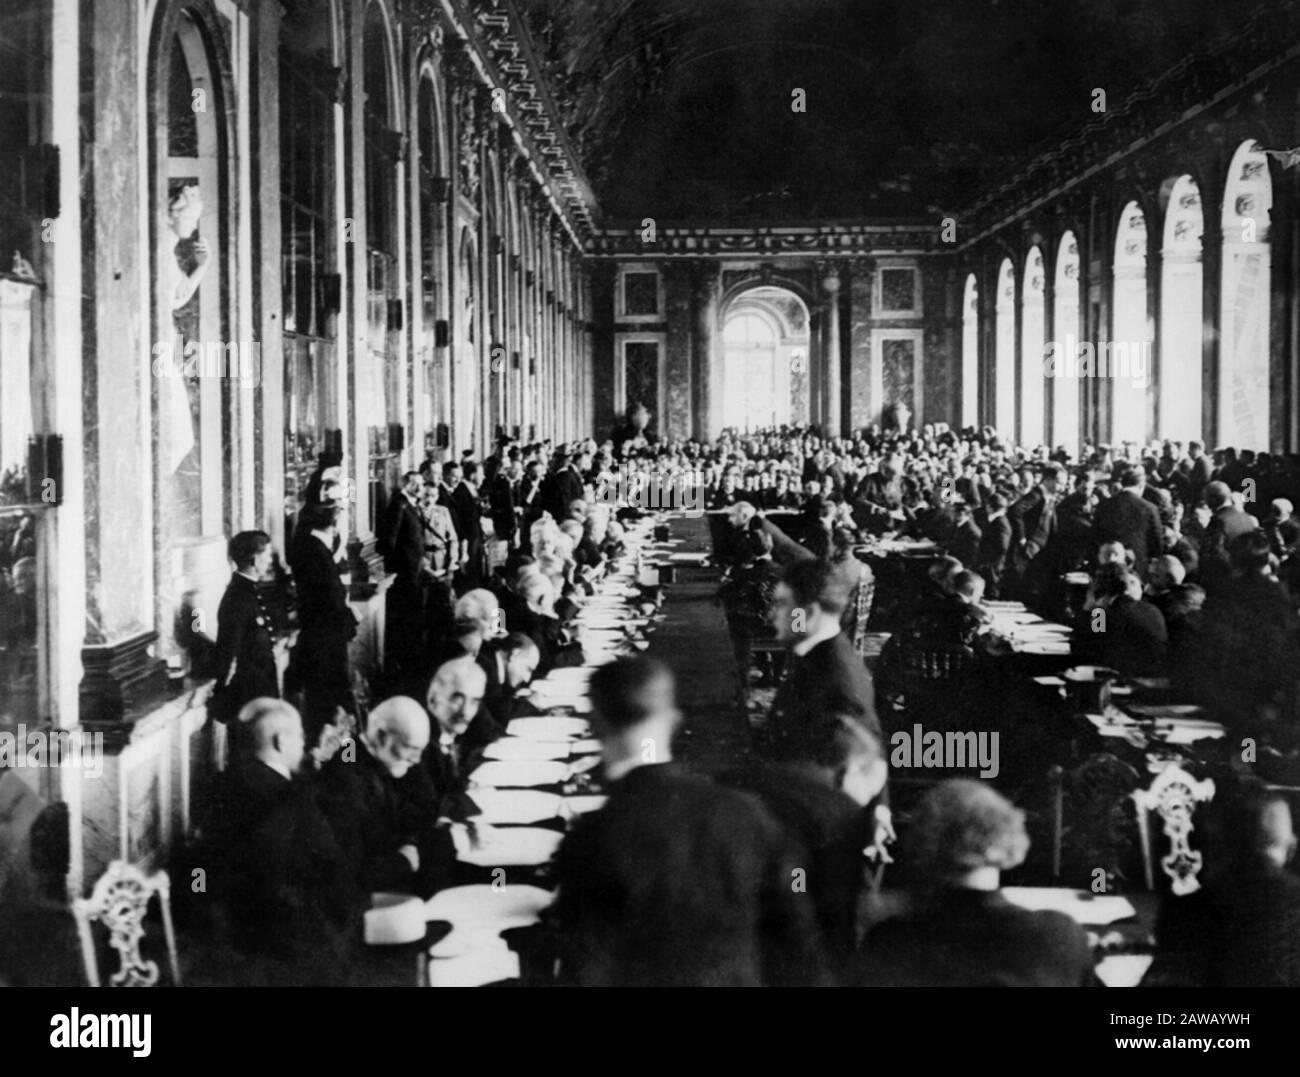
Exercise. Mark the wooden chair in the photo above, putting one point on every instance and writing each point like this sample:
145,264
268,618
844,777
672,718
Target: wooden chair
119,902
1173,796
1092,824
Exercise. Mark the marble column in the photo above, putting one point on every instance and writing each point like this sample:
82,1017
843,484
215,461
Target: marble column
707,284
831,284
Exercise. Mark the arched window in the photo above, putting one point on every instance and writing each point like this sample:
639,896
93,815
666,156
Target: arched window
1243,404
765,342
1004,367
970,353
195,411
1180,314
1066,334
307,189
1125,361
432,183
380,406
1032,326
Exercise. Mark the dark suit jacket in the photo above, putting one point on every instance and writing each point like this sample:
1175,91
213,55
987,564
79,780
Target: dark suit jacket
468,515
965,544
401,540
972,938
562,488
1132,520
501,499
286,885
680,882
245,665
320,657
374,814
1132,638
832,831
995,541
1032,520
829,677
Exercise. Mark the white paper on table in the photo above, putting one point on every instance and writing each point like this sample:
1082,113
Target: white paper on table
1051,682
484,906
519,773
583,804
486,966
1094,910
523,748
549,727
584,746
1044,648
511,846
1123,970
517,806
1190,732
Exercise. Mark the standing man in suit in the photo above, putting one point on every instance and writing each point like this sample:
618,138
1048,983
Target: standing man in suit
1130,519
995,543
401,541
564,487
318,666
825,674
1033,524
676,881
501,501
965,542
1227,522
245,662
469,519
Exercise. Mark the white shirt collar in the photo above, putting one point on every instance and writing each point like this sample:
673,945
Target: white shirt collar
806,644
279,768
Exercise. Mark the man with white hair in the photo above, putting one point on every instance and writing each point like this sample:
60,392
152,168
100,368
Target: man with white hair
383,805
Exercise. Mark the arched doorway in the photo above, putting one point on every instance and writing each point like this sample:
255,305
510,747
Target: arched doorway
1004,359
1065,320
1126,362
1033,317
970,353
1243,397
765,358
1180,313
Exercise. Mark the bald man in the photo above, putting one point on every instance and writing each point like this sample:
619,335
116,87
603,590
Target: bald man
383,805
289,891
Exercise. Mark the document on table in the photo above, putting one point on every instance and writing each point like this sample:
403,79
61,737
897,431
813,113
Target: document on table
1095,910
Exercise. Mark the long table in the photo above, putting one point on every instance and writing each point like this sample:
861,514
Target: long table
537,780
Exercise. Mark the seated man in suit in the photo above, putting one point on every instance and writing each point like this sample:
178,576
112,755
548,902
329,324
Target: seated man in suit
960,931
822,797
289,892
462,731
510,664
676,881
1118,628
383,806
825,674
1258,903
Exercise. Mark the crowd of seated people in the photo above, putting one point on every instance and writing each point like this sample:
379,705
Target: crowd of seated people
1192,572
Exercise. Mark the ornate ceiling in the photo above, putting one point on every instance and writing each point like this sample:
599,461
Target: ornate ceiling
681,110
